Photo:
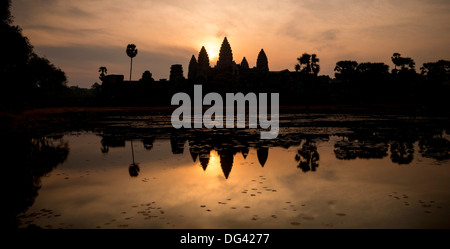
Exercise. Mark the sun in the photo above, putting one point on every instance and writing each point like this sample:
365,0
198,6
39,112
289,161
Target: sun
213,51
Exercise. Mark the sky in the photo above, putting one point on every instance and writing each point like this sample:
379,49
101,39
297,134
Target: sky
79,36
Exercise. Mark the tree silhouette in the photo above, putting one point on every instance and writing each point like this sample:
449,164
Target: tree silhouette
346,70
405,63
44,74
26,77
436,71
402,152
396,60
103,71
310,64
5,13
147,77
131,52
29,160
307,157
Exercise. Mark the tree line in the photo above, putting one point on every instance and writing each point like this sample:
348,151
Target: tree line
373,83
27,79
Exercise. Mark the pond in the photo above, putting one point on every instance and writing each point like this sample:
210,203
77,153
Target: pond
323,171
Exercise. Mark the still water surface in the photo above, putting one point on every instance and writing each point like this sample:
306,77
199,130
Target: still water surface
323,171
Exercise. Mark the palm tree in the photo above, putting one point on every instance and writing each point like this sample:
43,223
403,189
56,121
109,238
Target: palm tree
103,71
315,67
402,62
396,59
307,157
131,52
310,62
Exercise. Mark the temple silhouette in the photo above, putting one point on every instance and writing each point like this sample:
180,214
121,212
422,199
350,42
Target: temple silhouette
201,70
226,76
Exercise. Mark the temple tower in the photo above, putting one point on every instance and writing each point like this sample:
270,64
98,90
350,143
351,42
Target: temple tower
261,63
244,64
203,64
176,72
225,62
192,71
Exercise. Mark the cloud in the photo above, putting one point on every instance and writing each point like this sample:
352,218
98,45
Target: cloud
361,29
62,30
329,35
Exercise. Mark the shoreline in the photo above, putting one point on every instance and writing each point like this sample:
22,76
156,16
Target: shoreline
48,118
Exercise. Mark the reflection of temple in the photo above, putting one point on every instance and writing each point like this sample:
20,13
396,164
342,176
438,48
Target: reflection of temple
361,141
111,142
262,154
226,160
148,142
177,143
227,144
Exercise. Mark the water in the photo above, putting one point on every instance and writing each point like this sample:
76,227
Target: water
324,171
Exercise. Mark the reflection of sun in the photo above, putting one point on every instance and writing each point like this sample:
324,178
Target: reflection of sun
214,160
213,51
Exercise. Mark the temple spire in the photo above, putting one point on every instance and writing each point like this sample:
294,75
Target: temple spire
244,64
261,63
203,58
225,56
203,64
192,73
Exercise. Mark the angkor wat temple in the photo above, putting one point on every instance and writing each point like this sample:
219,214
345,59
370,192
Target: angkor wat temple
226,68
225,76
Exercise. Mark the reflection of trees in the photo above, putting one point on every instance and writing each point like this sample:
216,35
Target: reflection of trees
435,147
402,153
27,160
133,169
367,149
307,157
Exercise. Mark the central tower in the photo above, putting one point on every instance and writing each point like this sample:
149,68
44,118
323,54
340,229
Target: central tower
225,61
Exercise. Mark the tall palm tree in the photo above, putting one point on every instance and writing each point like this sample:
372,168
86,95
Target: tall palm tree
315,67
396,59
131,52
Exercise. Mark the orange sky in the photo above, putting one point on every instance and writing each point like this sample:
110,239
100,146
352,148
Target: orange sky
80,36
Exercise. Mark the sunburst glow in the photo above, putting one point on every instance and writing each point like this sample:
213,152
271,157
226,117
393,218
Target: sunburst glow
213,51
214,160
